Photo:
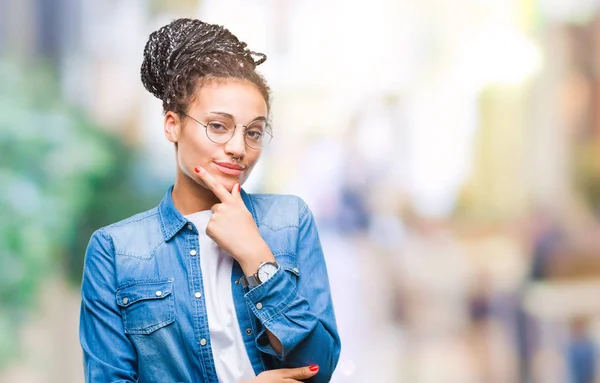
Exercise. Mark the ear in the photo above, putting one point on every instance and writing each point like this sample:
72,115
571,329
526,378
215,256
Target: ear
172,126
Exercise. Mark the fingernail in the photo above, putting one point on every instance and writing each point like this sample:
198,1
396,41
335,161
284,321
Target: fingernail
197,170
239,187
314,367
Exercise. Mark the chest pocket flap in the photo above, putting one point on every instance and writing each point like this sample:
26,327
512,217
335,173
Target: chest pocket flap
146,306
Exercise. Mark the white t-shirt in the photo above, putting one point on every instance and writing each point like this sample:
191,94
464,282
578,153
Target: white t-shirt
231,360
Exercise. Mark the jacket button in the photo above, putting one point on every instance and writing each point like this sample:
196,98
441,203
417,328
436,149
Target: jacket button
249,331
198,294
125,301
203,342
259,306
296,270
158,293
190,226
193,252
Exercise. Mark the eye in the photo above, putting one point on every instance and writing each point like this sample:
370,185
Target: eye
254,134
255,130
217,126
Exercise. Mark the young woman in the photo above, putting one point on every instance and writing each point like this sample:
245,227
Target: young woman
213,284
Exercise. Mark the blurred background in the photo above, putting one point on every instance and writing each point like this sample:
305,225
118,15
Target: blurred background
450,150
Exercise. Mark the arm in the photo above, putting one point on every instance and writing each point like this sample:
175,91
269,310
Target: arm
295,307
108,355
299,315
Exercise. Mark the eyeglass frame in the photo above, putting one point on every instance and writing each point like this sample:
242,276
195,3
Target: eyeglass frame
205,126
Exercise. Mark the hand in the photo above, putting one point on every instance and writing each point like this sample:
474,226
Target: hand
233,228
286,375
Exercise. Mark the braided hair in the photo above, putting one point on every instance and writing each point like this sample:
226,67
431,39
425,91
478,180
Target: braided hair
182,56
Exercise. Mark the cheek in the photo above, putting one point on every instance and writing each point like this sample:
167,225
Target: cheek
251,164
193,151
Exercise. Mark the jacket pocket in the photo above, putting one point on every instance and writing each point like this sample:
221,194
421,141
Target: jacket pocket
146,306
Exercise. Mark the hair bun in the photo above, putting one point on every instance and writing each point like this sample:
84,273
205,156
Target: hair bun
158,51
172,46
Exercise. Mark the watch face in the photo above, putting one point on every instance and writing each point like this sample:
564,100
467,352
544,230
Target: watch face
266,271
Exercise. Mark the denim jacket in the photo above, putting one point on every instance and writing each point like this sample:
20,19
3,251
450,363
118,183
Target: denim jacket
143,321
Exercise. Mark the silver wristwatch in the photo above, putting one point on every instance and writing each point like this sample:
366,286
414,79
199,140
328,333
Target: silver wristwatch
264,273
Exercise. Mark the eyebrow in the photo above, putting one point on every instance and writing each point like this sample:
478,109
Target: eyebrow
259,118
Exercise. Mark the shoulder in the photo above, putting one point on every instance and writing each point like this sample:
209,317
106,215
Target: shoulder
278,209
140,228
135,220
278,201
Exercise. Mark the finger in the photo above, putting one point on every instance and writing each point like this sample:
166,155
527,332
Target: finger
236,191
291,381
300,372
208,232
219,190
215,208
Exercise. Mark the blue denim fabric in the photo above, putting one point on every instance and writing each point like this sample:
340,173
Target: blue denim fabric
141,320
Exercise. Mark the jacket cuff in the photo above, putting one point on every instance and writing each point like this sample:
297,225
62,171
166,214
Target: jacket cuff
272,297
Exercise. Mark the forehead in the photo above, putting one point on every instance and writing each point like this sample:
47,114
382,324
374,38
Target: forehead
240,98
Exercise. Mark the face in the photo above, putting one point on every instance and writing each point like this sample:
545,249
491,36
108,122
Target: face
230,162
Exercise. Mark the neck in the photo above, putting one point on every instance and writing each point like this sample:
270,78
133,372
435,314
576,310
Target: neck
189,197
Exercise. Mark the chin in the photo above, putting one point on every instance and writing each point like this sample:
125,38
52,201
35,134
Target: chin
228,183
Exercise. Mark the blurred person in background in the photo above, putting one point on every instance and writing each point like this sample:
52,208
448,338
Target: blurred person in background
581,352
214,284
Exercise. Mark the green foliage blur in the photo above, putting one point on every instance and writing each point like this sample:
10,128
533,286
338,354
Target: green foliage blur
61,178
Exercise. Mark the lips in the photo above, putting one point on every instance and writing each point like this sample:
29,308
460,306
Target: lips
230,165
229,169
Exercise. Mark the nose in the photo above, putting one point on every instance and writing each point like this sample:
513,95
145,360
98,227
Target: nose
236,146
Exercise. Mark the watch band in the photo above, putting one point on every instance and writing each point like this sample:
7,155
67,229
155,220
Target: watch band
253,280
250,281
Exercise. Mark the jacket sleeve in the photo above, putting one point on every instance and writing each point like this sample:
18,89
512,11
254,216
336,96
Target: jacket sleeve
296,307
108,355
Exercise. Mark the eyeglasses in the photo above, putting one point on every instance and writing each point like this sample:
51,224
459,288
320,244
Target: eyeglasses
220,129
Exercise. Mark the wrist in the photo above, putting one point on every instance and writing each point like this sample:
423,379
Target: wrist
256,255
265,271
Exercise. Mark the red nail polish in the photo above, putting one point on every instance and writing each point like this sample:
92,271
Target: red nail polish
197,170
314,368
239,187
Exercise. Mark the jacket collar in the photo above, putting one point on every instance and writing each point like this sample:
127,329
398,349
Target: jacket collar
172,221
